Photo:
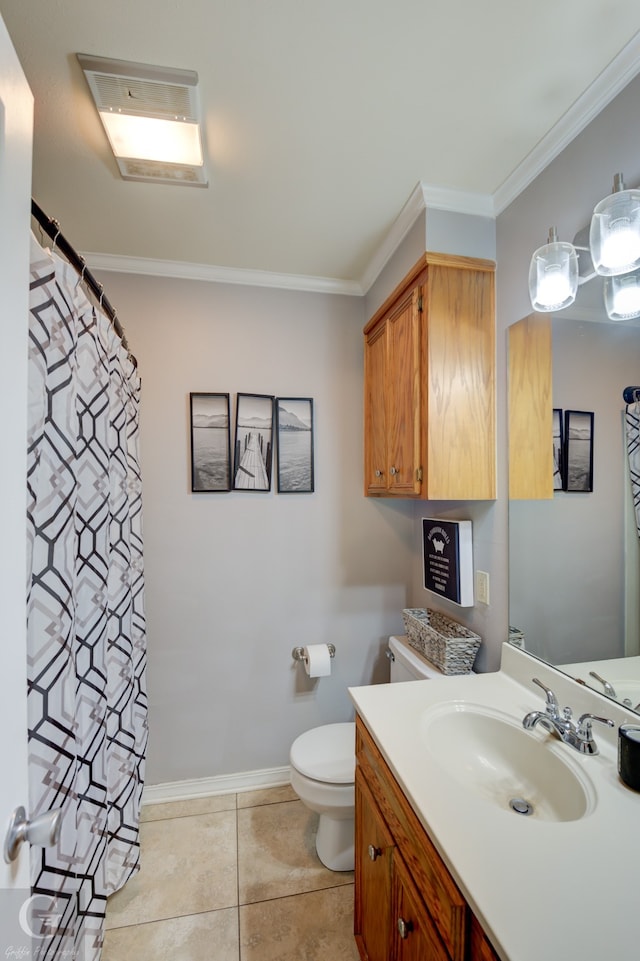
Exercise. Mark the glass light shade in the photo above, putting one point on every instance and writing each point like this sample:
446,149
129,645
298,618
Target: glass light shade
614,236
553,276
622,296
151,138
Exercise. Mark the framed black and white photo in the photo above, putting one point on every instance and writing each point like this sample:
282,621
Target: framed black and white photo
210,443
557,449
253,445
294,426
578,450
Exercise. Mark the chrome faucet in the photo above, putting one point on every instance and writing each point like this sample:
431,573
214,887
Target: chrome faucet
579,737
609,690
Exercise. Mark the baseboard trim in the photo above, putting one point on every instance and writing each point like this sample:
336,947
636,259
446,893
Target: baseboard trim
222,784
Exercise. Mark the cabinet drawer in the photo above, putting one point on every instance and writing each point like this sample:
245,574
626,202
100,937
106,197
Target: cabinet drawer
444,902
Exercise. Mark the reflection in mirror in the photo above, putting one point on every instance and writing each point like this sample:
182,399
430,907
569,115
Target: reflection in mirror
574,557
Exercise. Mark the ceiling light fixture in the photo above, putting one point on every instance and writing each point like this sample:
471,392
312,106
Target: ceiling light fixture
613,252
553,275
151,116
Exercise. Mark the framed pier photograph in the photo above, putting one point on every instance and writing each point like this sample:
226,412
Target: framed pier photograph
558,450
578,450
294,428
210,443
253,445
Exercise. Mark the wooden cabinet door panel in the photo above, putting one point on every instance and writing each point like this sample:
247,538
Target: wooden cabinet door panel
460,365
416,938
375,420
374,851
403,395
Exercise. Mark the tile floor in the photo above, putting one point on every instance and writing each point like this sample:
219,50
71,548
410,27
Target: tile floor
231,878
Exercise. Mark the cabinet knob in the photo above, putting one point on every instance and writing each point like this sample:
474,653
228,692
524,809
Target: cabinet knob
404,928
374,852
394,471
379,473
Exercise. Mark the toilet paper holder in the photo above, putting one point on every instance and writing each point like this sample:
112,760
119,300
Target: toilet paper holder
298,652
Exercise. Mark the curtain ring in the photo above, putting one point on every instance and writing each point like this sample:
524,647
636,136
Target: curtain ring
56,224
84,267
101,294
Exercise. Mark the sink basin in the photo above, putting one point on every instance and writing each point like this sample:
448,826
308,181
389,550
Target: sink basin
522,772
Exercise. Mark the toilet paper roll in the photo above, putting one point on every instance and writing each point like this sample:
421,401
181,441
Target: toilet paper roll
317,660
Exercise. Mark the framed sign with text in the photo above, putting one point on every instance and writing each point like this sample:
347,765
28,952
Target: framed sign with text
447,552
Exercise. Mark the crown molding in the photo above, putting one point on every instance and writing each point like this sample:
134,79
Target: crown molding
423,197
180,270
613,79
396,234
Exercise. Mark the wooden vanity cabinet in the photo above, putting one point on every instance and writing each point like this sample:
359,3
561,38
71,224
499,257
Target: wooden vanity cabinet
429,371
407,906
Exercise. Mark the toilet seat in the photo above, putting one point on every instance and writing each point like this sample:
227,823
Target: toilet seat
326,753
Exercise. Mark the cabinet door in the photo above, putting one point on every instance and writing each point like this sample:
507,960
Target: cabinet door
480,946
403,395
375,422
374,850
415,937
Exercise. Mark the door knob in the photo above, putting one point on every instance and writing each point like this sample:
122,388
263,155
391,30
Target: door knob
404,928
43,830
374,852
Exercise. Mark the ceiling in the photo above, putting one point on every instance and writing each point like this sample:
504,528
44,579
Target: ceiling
320,118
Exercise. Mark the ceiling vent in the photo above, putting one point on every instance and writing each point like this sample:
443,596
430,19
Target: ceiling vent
162,106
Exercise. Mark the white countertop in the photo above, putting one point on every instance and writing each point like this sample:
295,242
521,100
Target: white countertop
561,891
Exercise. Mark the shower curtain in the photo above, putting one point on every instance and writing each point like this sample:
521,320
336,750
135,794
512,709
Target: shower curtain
85,609
632,427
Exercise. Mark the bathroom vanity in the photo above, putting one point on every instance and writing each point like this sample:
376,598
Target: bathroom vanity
407,904
445,868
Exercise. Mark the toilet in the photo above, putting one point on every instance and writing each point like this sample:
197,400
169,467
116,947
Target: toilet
323,766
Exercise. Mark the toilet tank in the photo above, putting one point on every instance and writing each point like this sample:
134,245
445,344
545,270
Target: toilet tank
407,664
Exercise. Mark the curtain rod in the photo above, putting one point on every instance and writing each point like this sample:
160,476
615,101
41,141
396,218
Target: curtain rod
52,228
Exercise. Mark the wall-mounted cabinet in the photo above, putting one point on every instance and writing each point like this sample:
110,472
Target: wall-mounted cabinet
429,372
407,906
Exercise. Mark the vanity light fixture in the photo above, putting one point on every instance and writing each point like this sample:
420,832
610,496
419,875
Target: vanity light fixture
151,116
622,296
613,252
553,275
614,236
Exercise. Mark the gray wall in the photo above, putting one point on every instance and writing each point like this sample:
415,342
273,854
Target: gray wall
236,580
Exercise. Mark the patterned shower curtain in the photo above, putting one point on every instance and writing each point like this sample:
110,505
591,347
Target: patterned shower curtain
632,427
85,609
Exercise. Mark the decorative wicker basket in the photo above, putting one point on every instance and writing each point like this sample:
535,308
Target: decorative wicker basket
447,644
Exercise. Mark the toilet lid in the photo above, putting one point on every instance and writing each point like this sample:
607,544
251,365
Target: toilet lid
326,753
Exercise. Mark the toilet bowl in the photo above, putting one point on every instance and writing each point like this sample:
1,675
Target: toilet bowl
323,767
322,775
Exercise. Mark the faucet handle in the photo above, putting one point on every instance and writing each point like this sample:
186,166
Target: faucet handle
553,708
584,724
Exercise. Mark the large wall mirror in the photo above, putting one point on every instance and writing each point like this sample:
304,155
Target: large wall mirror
574,556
